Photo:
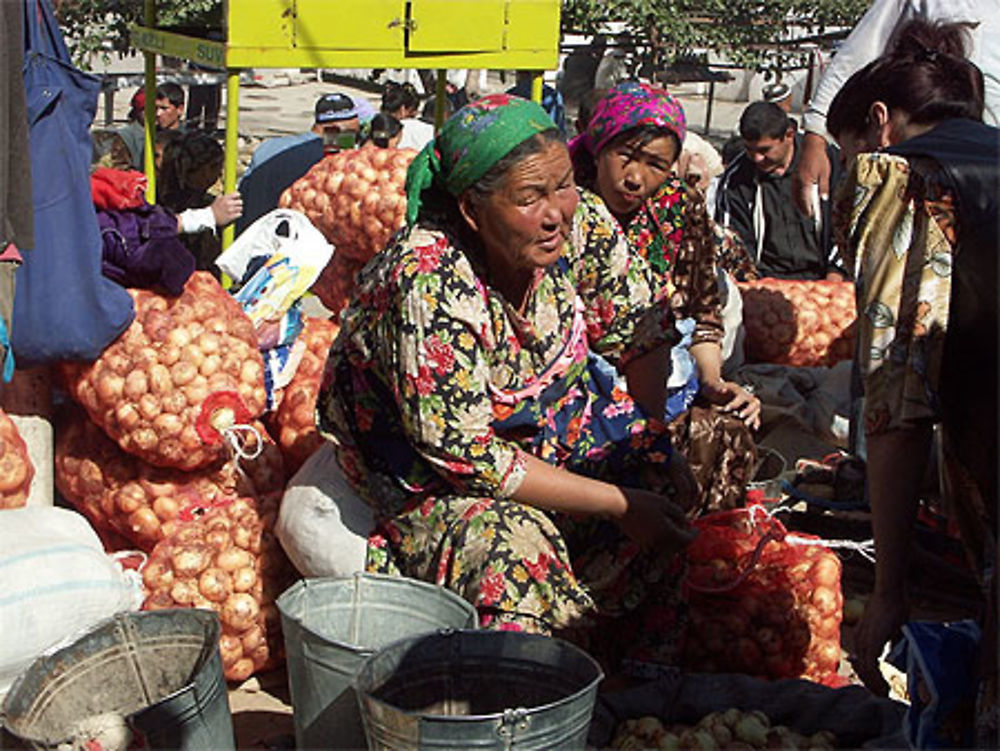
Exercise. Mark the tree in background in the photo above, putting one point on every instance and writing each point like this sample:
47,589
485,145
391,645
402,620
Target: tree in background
754,34
101,26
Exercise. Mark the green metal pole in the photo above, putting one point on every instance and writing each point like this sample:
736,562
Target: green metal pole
149,151
232,143
439,98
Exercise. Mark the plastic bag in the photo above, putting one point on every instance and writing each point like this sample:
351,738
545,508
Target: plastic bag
143,503
796,322
56,581
173,385
762,601
16,470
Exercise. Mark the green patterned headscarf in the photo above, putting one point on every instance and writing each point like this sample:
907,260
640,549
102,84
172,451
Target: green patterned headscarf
469,143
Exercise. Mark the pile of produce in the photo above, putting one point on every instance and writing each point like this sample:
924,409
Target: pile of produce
185,370
220,561
295,421
357,199
800,323
761,604
16,471
143,503
731,729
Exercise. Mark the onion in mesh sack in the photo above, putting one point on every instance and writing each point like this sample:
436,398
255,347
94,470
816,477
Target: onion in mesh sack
16,470
184,371
294,421
355,198
143,503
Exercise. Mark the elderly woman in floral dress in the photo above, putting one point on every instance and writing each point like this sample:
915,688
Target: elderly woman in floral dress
466,403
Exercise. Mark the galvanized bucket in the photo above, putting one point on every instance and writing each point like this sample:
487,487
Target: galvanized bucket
159,671
332,625
478,689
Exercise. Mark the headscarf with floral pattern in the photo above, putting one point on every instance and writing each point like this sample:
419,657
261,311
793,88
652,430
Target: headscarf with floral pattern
629,105
469,143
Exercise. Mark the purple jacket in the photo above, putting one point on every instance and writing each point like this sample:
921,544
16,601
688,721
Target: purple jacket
141,248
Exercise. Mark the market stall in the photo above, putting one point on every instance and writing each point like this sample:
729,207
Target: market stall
422,34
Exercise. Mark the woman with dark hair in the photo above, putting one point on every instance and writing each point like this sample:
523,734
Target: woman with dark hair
921,232
466,407
625,156
191,164
402,102
385,131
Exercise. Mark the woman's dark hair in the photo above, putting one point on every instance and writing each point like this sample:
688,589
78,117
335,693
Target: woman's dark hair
182,156
925,73
396,96
493,179
585,165
383,128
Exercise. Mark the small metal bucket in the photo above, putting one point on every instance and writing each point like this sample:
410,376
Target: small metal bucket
478,690
160,671
332,625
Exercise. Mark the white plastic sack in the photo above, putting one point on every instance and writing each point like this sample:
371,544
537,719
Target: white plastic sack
323,524
56,582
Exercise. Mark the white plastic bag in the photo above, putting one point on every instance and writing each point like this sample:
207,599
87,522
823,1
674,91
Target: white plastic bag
56,582
323,524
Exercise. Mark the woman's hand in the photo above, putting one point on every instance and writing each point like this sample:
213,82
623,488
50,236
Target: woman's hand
734,399
884,616
655,522
227,208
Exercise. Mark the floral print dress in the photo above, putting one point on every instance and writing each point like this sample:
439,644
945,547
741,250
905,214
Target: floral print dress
436,388
675,235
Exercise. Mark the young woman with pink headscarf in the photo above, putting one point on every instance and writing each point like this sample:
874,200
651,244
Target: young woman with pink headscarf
626,156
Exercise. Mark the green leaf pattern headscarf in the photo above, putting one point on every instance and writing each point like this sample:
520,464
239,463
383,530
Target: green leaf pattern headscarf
469,143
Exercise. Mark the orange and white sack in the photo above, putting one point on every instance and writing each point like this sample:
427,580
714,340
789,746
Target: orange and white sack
796,322
170,386
219,562
120,493
295,419
356,198
16,470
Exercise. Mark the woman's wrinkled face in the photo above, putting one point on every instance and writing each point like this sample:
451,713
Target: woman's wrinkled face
526,222
629,172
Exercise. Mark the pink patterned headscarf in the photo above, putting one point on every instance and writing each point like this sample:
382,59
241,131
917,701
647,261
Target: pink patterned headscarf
626,106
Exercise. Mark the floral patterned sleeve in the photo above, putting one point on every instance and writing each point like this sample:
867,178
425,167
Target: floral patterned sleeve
440,361
900,240
626,311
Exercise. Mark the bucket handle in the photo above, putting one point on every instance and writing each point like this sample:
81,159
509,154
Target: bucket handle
512,722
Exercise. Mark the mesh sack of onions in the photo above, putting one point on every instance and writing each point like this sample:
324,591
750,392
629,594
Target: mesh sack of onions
143,503
294,421
186,370
16,470
763,601
219,561
355,198
800,323
336,283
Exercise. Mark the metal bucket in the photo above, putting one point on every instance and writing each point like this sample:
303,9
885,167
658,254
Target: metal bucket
159,671
478,690
332,625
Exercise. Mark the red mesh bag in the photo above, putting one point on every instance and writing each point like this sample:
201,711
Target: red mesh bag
120,493
356,198
763,601
801,323
294,421
336,283
227,561
16,470
184,371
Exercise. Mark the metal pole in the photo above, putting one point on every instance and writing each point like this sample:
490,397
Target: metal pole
440,95
149,149
232,143
708,109
537,81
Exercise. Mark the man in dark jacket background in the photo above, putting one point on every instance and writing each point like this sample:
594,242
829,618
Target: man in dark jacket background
755,200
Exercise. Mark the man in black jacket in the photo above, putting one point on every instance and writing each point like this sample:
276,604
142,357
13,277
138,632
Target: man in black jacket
755,200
